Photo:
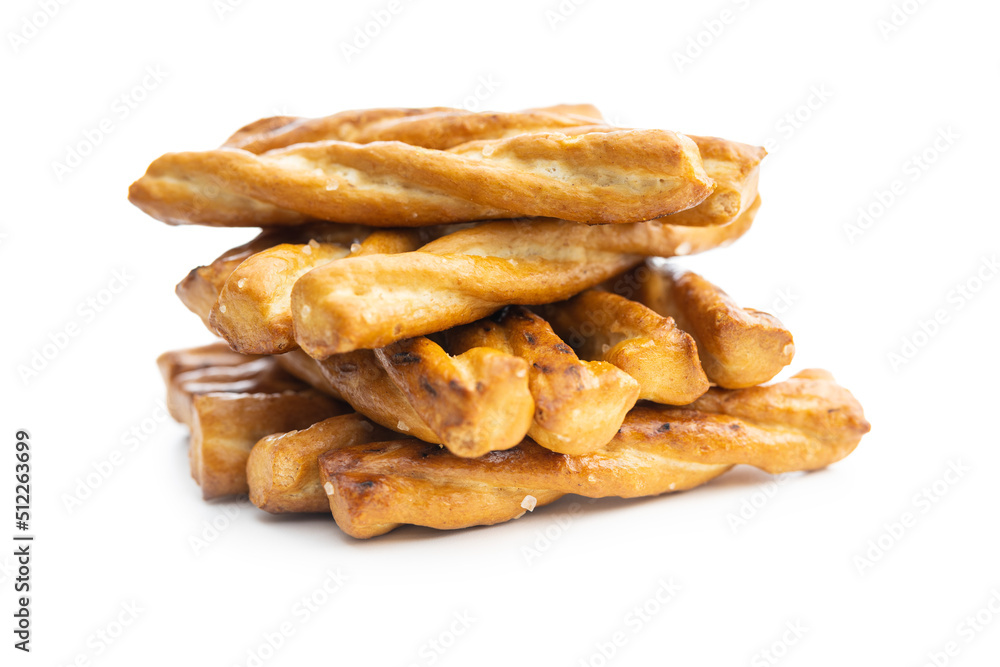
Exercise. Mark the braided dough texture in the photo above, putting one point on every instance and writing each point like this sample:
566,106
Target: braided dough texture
370,302
804,423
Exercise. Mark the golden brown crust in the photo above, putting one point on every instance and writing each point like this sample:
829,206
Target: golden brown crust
216,368
230,401
735,168
739,347
283,470
253,311
470,403
200,289
801,424
579,405
436,127
248,289
363,303
619,176
651,348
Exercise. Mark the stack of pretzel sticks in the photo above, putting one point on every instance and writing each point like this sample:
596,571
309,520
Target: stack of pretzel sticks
400,355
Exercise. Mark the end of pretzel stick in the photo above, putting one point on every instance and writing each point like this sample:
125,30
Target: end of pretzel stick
474,402
283,471
652,349
253,309
739,347
579,405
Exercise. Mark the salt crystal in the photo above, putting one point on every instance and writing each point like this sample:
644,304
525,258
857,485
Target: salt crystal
222,309
529,503
241,282
328,488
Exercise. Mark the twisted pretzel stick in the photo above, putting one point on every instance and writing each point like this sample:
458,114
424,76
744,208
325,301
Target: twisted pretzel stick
579,405
616,176
229,405
200,289
734,166
253,309
438,127
739,347
804,423
652,349
369,302
283,470
470,403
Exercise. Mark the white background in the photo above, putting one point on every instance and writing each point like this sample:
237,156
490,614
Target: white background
883,99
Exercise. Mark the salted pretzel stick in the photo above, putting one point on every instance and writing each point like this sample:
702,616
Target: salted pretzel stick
283,470
600,177
739,347
369,302
470,403
253,310
579,405
199,290
805,423
606,327
438,128
735,167
229,406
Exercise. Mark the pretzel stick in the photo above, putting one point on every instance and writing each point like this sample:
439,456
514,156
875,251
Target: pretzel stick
619,176
739,347
253,310
202,369
652,349
230,405
369,302
199,290
579,405
438,128
735,167
469,403
804,423
283,470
